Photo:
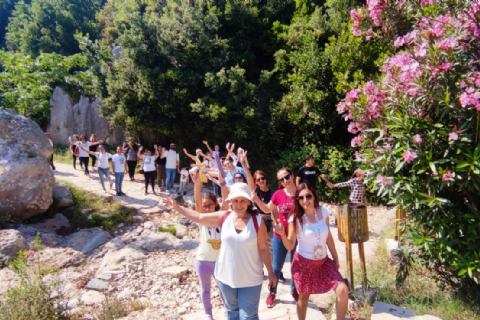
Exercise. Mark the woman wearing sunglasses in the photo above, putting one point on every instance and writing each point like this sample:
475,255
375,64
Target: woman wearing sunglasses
312,270
281,205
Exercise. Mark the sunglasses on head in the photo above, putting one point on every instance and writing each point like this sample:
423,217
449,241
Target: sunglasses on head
239,178
285,178
307,197
261,179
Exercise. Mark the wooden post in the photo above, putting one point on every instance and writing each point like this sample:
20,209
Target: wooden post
399,215
364,267
348,244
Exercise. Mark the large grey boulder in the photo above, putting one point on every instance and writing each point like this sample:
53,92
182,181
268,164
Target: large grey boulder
26,178
86,240
62,195
11,242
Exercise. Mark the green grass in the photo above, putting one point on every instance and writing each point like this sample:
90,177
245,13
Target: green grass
420,292
106,212
171,229
62,154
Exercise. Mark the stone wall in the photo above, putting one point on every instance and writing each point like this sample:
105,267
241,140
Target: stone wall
68,117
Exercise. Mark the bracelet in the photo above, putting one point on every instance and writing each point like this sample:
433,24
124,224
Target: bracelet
223,184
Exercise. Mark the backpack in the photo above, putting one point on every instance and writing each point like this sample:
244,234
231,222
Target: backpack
255,222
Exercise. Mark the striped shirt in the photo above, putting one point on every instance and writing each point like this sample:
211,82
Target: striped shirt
358,189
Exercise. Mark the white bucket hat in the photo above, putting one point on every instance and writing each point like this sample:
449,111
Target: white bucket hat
239,189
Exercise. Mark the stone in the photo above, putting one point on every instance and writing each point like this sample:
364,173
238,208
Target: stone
96,284
175,271
62,196
86,240
58,221
120,225
180,231
80,115
26,178
384,311
114,258
181,311
138,219
126,294
72,304
11,242
92,297
184,221
105,276
149,225
59,257
86,212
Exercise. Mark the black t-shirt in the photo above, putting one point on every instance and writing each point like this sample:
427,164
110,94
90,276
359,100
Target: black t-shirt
265,196
161,161
309,175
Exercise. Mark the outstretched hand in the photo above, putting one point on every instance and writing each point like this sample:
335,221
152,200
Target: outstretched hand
279,228
141,148
195,177
330,185
169,202
205,142
243,156
185,150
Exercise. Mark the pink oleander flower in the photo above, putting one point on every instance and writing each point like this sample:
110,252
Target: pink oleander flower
369,88
388,147
380,178
400,41
409,156
447,176
417,139
353,95
453,136
448,43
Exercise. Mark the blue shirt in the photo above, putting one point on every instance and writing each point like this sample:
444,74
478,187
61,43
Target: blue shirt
230,176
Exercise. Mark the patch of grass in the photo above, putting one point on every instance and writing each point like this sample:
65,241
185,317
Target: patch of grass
171,229
8,219
112,308
106,212
420,292
62,154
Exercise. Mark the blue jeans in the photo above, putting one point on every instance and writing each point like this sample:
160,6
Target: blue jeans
241,303
279,255
104,174
170,178
119,181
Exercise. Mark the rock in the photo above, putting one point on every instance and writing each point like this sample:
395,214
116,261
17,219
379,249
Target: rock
138,219
81,115
384,311
30,232
181,311
92,297
26,178
184,221
62,196
392,246
105,276
72,304
153,241
96,284
180,231
86,212
86,240
120,225
126,294
58,221
114,258
11,242
59,257
175,271
149,225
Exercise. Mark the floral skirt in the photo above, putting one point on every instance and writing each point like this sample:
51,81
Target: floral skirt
315,276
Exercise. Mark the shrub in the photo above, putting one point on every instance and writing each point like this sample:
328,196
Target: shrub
417,128
170,229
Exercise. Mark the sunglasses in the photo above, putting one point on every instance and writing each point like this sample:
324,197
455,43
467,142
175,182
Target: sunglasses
307,197
208,206
261,179
285,178
239,178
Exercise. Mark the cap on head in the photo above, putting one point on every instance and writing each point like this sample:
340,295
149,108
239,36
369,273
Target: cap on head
239,190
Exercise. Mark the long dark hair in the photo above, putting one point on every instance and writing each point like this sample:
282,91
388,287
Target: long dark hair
298,211
280,186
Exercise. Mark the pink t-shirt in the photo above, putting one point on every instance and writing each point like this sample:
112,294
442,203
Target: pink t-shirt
285,207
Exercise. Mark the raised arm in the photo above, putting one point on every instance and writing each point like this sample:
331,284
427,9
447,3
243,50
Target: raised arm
156,151
197,191
162,155
207,157
208,147
188,154
97,142
139,152
250,181
213,219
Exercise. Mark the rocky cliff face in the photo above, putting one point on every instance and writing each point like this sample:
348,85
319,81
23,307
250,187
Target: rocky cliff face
26,179
68,117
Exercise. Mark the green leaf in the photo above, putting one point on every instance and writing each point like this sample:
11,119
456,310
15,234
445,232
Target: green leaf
399,166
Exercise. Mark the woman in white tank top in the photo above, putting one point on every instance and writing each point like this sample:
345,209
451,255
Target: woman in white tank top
312,270
244,251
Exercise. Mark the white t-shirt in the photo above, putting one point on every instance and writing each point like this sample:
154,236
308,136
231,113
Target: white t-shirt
103,159
209,247
148,163
183,176
239,264
172,158
212,165
119,160
85,145
312,237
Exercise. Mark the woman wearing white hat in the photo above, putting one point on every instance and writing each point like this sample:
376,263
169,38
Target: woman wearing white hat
239,267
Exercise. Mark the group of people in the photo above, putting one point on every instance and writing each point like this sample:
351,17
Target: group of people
244,224
237,227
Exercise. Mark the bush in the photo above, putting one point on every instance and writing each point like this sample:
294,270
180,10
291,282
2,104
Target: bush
417,128
170,229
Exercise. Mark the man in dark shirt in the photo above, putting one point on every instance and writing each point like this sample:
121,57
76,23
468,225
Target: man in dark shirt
308,173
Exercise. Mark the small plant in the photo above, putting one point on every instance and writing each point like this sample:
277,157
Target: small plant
170,229
112,308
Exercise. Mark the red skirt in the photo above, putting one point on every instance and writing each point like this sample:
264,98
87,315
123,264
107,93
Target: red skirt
315,276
